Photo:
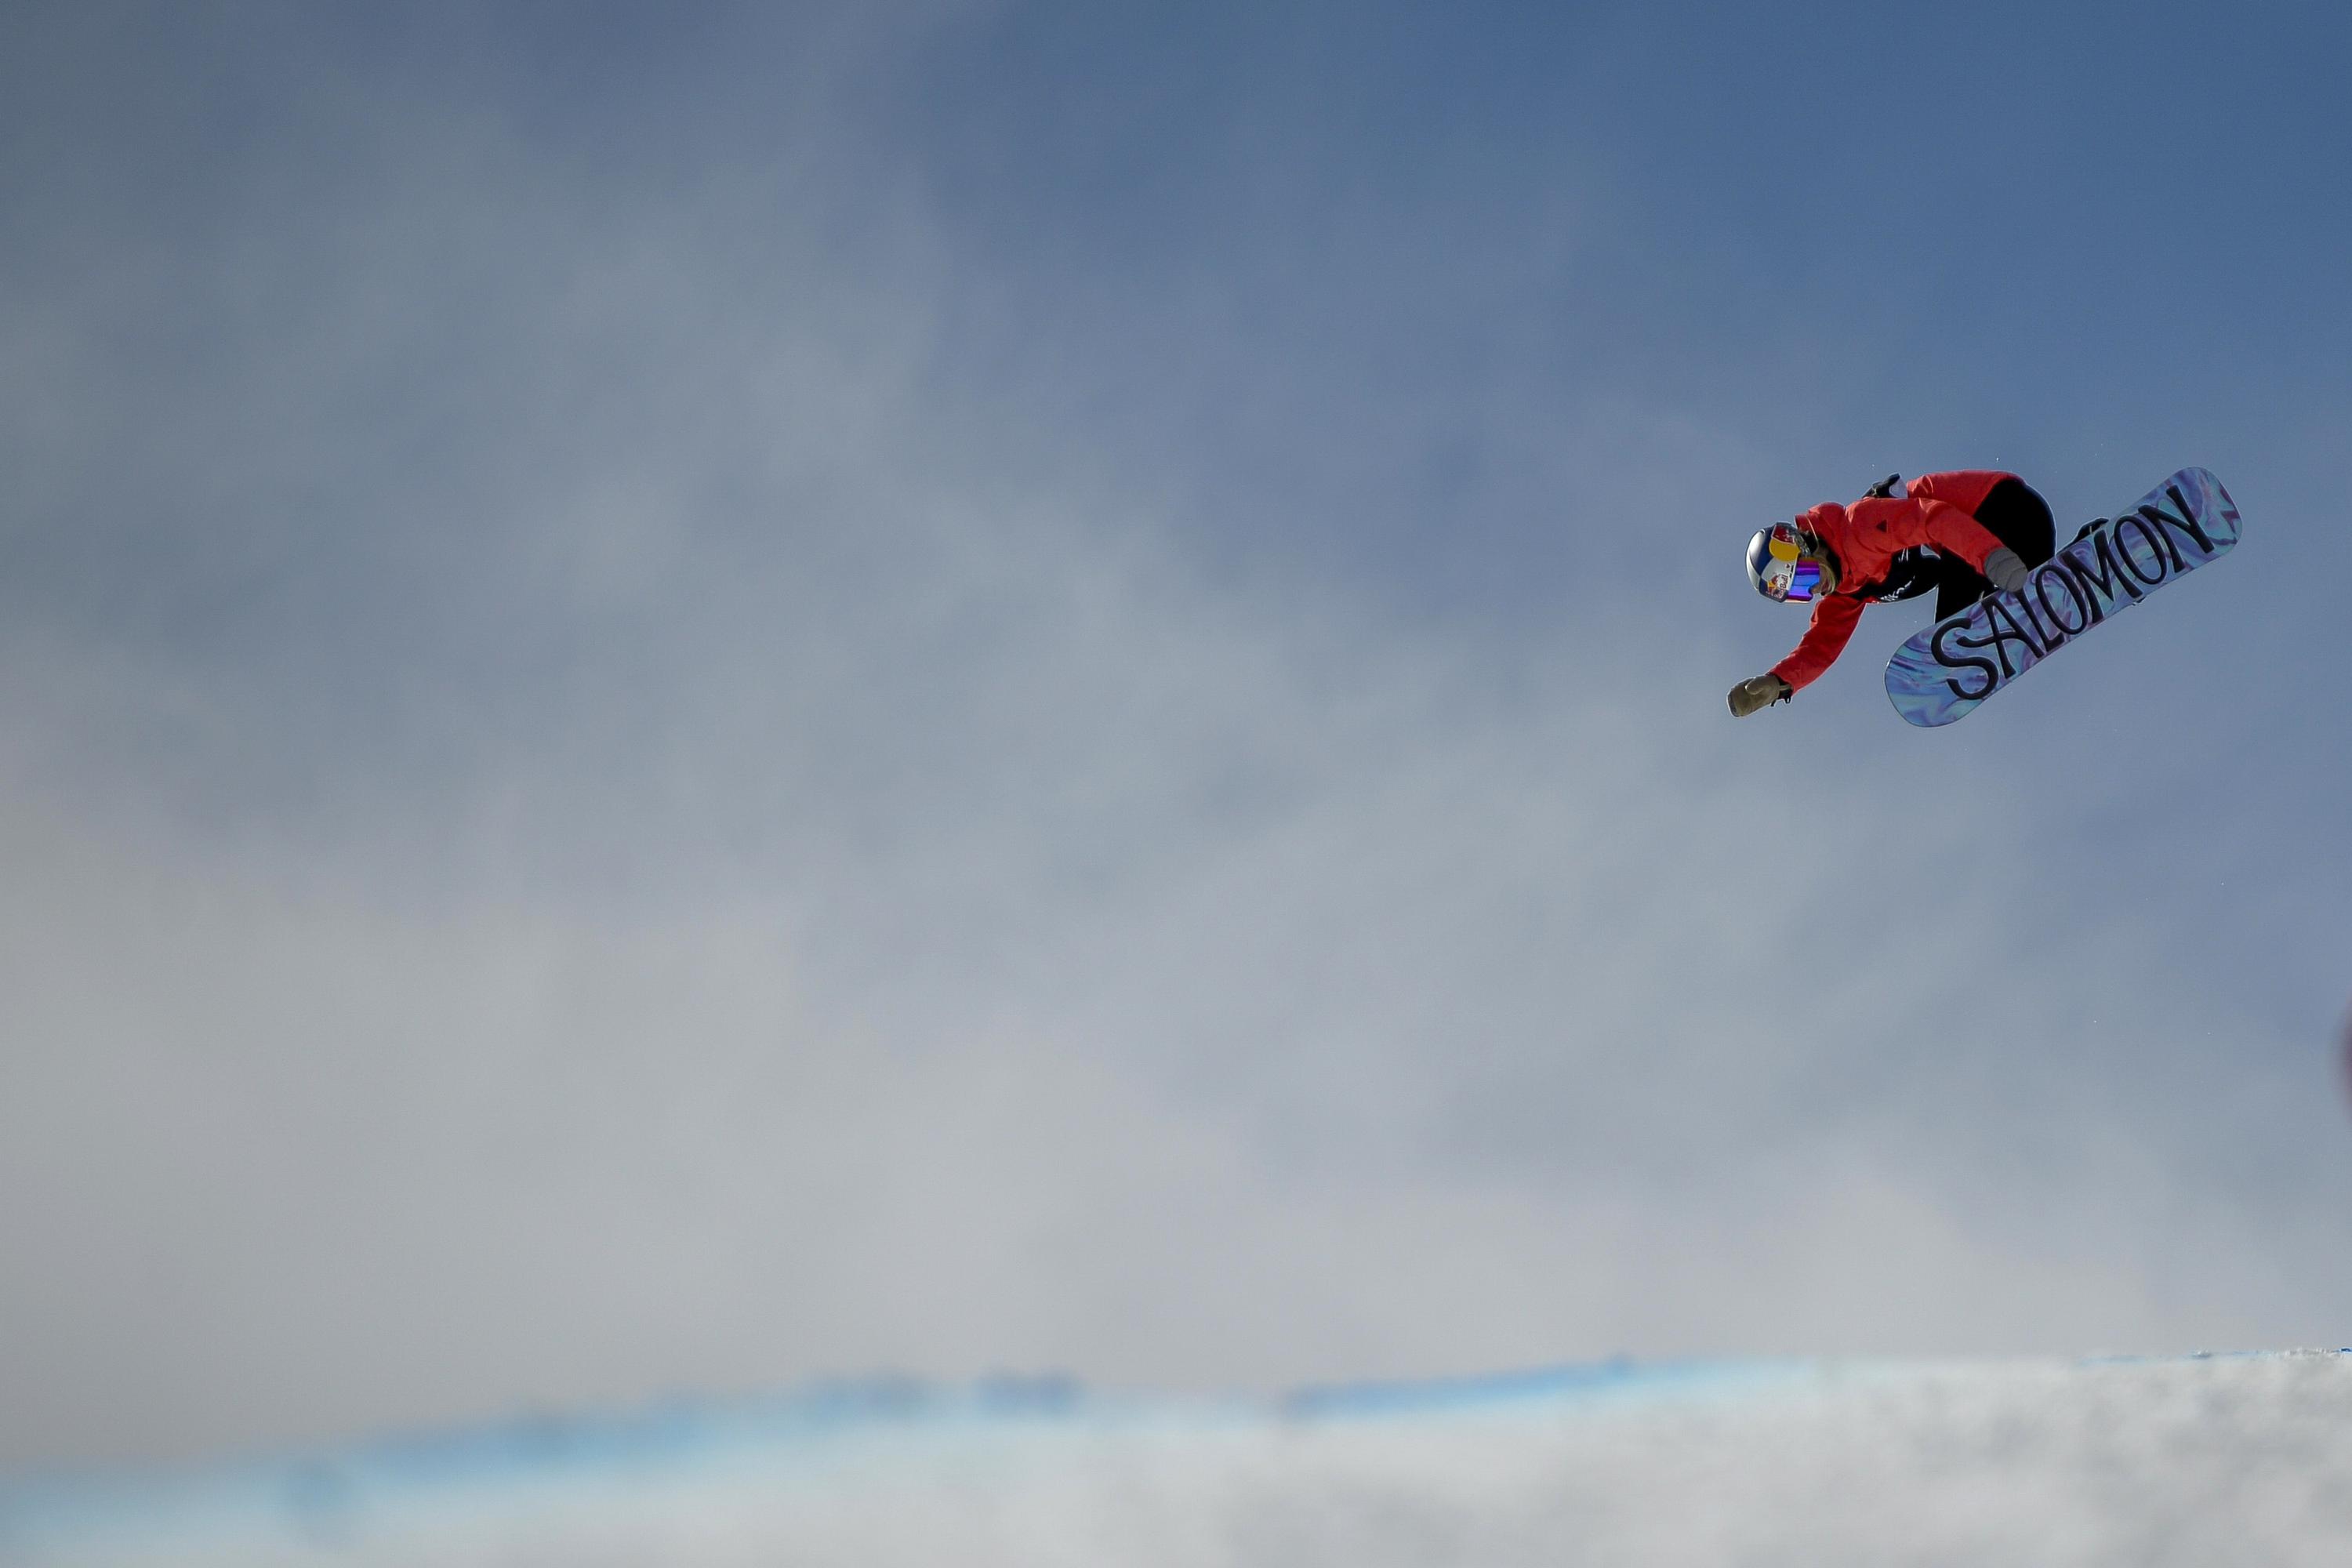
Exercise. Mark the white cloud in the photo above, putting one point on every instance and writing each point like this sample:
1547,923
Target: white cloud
589,812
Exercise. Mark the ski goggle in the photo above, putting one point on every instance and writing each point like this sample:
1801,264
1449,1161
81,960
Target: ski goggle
1787,574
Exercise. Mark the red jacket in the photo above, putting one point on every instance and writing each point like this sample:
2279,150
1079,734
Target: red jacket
1864,539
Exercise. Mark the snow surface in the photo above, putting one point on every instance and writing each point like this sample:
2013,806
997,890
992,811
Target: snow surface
2238,1459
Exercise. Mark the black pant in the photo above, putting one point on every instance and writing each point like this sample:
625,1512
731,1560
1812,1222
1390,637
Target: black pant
2019,519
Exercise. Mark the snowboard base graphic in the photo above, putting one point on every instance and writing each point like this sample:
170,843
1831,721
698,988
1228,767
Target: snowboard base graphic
1945,672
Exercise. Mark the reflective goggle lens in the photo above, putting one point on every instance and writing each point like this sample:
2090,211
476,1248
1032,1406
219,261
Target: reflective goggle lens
1787,577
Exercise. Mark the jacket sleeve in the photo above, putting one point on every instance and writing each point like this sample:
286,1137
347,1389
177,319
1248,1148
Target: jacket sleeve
1834,620
1949,528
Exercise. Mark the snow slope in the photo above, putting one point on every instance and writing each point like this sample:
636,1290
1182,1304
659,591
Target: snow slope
2239,1459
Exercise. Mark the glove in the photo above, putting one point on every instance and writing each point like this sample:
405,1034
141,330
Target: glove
1758,691
2005,571
1885,489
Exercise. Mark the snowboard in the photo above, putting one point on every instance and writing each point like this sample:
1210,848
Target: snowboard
1943,672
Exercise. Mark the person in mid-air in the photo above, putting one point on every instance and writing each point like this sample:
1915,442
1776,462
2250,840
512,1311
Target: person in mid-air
1962,534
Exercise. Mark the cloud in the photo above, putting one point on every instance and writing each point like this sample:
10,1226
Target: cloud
598,799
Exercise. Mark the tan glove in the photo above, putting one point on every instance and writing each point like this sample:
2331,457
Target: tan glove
2005,570
1758,691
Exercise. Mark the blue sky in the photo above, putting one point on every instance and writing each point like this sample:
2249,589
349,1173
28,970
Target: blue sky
685,704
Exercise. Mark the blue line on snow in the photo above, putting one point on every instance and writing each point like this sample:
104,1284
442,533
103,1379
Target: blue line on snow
325,1489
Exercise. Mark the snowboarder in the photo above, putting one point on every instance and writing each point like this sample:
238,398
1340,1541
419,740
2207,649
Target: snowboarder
1962,534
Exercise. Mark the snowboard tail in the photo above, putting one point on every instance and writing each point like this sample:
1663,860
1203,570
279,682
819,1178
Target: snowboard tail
1943,672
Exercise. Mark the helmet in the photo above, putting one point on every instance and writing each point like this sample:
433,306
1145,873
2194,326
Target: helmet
1784,562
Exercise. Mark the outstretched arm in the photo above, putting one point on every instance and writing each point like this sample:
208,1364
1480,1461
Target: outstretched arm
1834,620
